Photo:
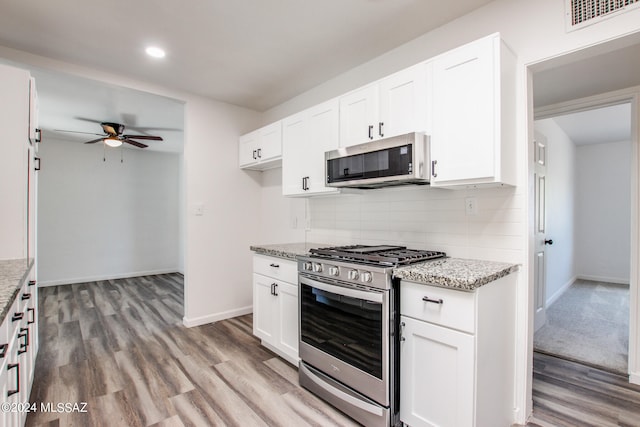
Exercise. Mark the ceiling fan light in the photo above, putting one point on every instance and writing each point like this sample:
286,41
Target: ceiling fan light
155,52
113,142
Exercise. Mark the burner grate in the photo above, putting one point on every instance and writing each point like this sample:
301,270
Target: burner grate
377,255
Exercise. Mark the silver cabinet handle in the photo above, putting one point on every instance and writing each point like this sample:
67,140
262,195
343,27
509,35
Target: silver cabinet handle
435,301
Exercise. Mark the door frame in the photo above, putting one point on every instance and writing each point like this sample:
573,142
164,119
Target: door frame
632,96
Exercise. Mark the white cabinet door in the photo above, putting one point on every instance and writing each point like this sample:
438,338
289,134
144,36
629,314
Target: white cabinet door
265,310
359,116
287,295
247,149
270,142
262,148
323,136
294,134
436,375
34,111
465,117
306,137
403,102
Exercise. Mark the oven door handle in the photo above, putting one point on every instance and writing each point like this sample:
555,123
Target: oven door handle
375,410
341,290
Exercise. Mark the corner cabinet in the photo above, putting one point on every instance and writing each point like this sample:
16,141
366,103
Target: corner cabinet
262,148
457,355
392,106
473,103
275,305
305,138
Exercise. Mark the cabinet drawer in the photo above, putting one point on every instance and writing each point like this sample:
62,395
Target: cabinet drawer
278,268
457,309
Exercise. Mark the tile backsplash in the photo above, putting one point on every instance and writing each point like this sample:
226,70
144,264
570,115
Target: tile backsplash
424,218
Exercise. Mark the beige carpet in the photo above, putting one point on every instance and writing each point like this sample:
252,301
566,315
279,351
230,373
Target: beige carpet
589,323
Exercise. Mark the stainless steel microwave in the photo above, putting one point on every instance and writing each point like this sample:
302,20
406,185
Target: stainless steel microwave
398,160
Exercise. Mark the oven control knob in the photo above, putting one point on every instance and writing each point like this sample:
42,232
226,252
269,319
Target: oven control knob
306,266
366,276
353,275
317,267
334,271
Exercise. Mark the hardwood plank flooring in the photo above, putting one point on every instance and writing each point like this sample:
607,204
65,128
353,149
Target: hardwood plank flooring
569,394
120,346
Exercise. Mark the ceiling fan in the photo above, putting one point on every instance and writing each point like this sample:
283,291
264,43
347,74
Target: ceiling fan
113,136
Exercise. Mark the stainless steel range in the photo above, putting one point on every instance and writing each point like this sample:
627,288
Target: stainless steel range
349,322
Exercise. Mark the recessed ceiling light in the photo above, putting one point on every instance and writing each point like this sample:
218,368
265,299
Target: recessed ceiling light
155,52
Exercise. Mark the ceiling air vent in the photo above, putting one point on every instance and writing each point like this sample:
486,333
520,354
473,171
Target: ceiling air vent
584,12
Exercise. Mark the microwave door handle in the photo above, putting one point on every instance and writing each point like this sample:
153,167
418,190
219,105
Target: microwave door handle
339,290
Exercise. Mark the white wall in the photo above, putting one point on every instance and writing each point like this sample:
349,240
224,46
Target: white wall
105,219
282,219
603,226
560,205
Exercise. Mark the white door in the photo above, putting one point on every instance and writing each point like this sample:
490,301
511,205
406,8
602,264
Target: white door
540,159
270,145
247,149
287,295
264,308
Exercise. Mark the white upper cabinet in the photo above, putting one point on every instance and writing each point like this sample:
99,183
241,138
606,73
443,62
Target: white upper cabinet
306,137
392,106
473,103
34,110
262,148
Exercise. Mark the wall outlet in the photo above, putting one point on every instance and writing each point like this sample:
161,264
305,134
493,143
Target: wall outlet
471,206
198,209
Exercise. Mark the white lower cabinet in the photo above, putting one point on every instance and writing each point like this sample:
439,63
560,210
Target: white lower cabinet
456,355
18,348
275,305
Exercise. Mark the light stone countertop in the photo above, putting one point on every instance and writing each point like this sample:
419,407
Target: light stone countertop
13,273
287,250
455,273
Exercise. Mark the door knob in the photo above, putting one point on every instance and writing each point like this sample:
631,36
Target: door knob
548,241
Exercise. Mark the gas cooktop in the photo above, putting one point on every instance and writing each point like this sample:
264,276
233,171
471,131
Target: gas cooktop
376,255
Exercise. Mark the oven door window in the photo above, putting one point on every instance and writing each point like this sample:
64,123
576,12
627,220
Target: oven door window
347,328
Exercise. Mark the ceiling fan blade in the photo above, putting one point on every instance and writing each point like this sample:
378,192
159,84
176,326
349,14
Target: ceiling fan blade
151,137
145,129
136,143
85,119
93,141
75,131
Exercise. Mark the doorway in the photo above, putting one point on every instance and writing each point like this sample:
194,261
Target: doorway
582,269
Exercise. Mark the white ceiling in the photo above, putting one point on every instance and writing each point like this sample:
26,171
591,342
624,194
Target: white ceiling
604,68
598,126
252,53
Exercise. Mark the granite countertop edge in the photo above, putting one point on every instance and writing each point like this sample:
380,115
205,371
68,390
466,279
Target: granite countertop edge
13,273
286,250
455,273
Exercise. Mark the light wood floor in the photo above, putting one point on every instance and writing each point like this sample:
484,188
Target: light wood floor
120,346
570,394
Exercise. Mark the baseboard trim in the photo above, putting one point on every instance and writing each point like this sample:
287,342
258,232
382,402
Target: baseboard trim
45,283
560,291
215,317
634,378
617,280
